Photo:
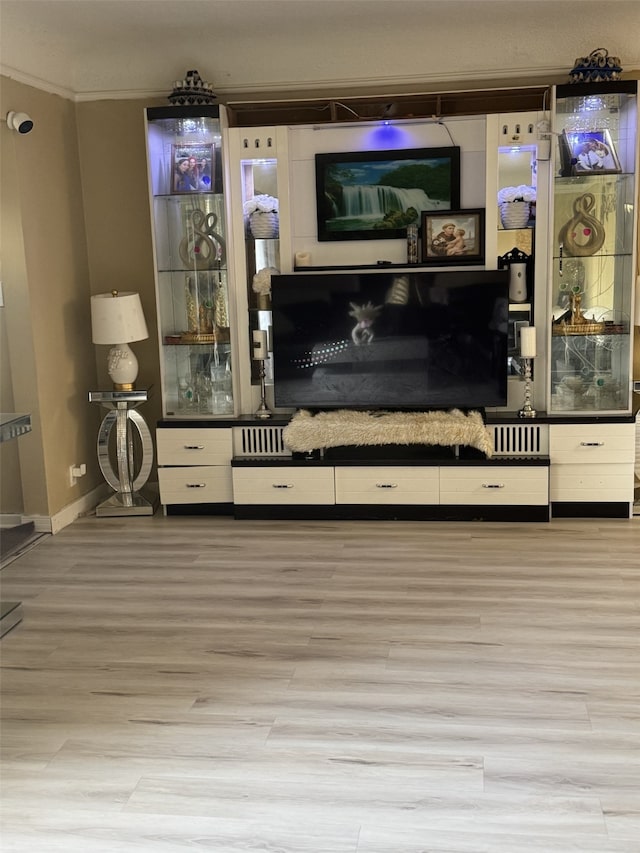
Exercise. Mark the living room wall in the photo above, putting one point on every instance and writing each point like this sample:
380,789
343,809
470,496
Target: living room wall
46,314
306,142
118,225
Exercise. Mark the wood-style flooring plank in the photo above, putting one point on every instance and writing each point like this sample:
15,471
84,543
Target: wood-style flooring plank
207,684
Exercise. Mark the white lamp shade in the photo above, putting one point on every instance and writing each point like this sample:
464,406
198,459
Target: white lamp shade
117,318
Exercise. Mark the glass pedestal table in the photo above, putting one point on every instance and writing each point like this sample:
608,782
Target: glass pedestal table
123,415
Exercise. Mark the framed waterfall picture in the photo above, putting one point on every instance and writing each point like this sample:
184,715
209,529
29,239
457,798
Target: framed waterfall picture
374,195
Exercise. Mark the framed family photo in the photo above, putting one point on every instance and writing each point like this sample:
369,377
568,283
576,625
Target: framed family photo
453,236
375,195
588,152
193,168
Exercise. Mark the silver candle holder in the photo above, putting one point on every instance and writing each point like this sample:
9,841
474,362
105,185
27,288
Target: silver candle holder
261,354
527,410
527,352
263,411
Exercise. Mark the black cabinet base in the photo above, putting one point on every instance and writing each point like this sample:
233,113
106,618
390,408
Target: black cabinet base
363,512
577,509
199,509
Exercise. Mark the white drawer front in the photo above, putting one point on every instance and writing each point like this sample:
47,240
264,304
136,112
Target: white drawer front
194,446
283,486
194,485
495,486
599,483
387,485
592,443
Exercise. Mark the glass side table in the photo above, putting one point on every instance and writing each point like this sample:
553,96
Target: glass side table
132,473
12,426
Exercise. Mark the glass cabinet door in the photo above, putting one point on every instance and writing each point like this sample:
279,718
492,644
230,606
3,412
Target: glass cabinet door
259,183
593,247
261,216
517,177
184,148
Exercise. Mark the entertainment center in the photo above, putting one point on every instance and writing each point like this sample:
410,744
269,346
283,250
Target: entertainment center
539,470
346,324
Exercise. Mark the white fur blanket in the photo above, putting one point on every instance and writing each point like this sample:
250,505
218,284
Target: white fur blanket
306,432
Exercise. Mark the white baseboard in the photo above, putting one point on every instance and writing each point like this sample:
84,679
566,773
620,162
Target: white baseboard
56,523
11,519
82,506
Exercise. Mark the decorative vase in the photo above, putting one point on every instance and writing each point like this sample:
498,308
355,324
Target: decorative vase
518,283
264,224
514,214
263,301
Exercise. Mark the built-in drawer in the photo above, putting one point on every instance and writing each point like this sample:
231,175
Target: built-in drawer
195,484
600,483
495,486
283,486
591,443
194,446
387,485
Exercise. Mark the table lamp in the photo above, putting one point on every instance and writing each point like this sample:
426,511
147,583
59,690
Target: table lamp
118,319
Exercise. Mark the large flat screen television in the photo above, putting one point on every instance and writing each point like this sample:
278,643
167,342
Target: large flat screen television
392,339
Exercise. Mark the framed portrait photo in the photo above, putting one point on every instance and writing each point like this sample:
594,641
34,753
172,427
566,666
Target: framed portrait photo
453,237
591,152
375,195
193,168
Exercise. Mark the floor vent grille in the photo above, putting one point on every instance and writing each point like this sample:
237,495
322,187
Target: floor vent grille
520,440
259,441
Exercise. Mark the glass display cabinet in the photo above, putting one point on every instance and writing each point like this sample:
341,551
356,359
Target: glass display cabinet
188,210
593,240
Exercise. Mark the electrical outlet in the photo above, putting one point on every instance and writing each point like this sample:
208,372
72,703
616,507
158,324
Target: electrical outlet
75,472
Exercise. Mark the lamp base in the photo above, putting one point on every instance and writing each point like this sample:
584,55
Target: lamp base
122,366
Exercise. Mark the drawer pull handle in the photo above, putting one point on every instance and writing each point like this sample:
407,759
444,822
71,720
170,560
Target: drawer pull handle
194,446
592,444
196,485
282,485
493,485
386,485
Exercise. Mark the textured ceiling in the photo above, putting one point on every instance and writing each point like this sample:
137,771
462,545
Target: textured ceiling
120,48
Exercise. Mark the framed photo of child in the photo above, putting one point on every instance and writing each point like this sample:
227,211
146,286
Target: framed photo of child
591,152
452,237
193,168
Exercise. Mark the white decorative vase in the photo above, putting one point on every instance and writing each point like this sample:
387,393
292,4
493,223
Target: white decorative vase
518,283
264,225
514,214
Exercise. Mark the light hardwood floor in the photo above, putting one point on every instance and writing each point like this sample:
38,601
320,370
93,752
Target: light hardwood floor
205,684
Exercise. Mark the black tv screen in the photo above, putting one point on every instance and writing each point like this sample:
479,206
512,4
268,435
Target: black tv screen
398,339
